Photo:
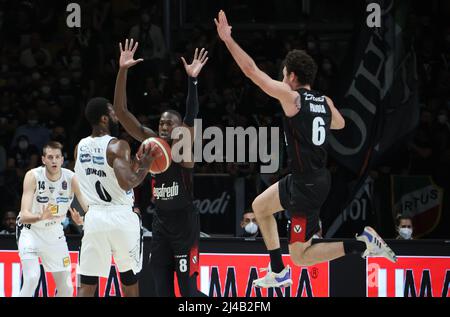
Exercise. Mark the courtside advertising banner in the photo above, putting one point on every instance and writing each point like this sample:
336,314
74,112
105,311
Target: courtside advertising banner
413,276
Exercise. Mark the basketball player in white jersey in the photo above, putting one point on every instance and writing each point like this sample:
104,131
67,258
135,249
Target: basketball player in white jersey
107,176
47,194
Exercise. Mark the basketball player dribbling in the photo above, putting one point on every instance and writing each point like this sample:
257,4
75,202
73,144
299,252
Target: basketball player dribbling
107,176
308,118
176,222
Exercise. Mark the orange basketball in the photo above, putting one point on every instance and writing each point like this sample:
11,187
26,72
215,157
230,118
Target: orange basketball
161,151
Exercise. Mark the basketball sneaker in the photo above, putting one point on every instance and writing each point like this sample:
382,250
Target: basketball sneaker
375,245
282,279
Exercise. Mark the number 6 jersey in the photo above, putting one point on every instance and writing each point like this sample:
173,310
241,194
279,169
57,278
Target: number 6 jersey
98,182
306,133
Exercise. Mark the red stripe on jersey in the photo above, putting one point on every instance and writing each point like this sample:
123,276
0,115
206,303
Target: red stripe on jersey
151,188
298,229
194,259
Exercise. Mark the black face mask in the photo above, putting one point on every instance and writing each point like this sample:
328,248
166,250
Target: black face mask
113,128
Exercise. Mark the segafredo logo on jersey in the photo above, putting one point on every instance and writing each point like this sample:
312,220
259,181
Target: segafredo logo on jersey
166,192
409,277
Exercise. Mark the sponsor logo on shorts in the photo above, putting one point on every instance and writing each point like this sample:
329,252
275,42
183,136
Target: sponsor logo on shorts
66,261
42,200
99,160
84,158
297,229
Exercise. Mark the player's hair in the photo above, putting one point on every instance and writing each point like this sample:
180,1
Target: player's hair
302,65
54,145
402,217
95,109
175,113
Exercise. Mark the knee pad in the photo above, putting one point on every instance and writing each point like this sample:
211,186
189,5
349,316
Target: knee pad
128,278
88,280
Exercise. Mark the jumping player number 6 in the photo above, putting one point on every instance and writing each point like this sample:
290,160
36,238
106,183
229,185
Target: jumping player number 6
318,131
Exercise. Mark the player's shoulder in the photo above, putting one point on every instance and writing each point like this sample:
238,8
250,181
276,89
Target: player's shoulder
118,147
67,172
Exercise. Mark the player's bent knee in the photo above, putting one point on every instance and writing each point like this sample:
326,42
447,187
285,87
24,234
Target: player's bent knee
257,206
128,278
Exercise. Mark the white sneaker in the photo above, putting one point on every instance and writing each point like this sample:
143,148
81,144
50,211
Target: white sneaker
282,279
375,245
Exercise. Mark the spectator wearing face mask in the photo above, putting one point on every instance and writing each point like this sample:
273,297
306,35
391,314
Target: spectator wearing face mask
249,225
9,223
404,228
23,157
36,134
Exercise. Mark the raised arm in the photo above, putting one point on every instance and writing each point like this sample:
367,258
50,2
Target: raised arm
273,88
126,118
192,104
119,157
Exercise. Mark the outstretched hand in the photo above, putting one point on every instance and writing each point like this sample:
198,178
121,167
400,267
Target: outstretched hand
127,54
197,64
223,28
76,217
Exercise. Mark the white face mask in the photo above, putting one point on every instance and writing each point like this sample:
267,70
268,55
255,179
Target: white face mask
405,233
251,227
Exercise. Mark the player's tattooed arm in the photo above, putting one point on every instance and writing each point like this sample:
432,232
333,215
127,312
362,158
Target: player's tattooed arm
126,118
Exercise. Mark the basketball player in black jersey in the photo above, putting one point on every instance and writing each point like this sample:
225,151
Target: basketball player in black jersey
176,223
308,118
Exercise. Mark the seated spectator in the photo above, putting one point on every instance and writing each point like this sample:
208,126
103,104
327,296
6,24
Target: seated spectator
35,55
9,223
23,157
249,225
36,134
404,228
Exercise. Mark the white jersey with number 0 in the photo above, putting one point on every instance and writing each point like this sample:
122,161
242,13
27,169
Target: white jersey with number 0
97,179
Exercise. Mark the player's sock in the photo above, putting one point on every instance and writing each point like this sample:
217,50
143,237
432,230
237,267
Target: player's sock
276,261
354,247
